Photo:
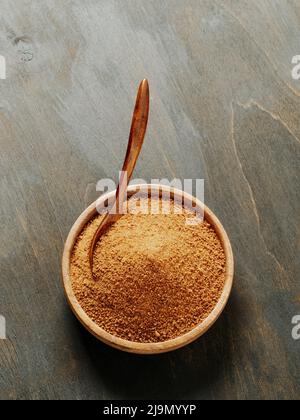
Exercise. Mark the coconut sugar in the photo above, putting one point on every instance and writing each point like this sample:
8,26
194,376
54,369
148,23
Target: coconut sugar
157,276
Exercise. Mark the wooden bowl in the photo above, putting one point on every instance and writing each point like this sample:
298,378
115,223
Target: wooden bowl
130,346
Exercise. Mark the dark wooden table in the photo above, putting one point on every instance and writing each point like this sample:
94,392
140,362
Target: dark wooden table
224,107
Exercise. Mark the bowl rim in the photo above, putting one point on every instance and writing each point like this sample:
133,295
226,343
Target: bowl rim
132,346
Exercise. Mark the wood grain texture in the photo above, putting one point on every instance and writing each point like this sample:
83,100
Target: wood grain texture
222,91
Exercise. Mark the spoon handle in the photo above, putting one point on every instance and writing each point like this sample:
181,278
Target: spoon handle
135,142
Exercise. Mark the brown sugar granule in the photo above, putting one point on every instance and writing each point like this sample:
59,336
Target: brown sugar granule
158,277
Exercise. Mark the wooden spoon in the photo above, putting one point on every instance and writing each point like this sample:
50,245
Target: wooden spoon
135,142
